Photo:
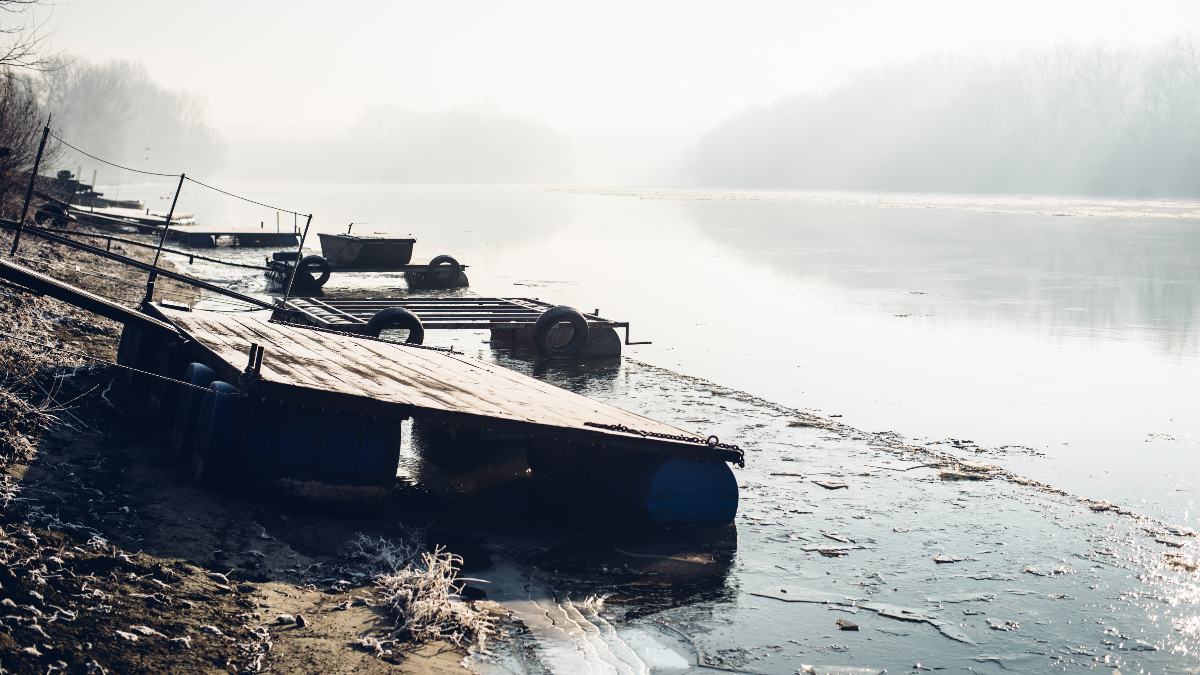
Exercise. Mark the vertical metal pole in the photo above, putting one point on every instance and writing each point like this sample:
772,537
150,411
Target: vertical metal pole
299,252
161,241
29,194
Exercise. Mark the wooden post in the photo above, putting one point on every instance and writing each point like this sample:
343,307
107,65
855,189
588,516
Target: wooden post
29,194
299,252
161,241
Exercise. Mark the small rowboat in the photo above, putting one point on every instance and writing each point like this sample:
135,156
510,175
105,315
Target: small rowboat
352,251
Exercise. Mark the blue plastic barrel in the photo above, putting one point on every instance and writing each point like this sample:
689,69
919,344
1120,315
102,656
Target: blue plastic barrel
138,349
224,414
171,362
283,441
187,412
641,486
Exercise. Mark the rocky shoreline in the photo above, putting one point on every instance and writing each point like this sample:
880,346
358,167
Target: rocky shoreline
113,561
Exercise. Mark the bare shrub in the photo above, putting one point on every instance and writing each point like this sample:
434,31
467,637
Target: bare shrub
422,600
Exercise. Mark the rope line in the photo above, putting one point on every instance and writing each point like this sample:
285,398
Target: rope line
148,173
172,175
110,363
273,208
145,245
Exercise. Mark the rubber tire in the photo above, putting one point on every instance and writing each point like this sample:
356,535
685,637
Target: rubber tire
551,318
321,263
187,411
51,211
397,317
444,271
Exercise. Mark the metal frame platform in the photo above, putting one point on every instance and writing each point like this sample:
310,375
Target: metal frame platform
351,315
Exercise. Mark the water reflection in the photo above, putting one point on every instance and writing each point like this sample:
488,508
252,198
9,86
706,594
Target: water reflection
1100,277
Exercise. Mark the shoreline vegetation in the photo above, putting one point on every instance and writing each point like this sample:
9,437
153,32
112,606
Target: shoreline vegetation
113,562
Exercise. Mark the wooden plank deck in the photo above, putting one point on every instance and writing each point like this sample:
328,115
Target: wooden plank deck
389,379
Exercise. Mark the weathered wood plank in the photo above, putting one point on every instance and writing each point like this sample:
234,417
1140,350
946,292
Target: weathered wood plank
352,372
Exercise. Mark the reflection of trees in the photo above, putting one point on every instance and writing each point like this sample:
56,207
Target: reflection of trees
1129,276
1065,120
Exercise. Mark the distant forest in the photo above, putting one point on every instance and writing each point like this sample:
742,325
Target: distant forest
393,144
114,110
1068,120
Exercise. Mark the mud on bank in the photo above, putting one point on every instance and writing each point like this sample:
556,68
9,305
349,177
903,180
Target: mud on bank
111,561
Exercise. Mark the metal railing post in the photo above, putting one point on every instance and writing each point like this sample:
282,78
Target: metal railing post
161,241
299,252
29,193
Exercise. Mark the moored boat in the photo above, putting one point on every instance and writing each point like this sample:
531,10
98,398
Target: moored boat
347,250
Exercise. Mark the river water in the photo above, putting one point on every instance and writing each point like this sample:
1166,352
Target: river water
1055,338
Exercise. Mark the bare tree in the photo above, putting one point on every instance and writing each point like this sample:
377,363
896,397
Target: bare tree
21,122
24,41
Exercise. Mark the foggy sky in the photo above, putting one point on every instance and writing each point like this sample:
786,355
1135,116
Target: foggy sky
305,68
631,83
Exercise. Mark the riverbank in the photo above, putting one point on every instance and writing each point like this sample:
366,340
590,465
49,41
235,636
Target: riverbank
114,562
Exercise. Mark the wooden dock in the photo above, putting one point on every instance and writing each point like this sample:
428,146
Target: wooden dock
316,414
373,377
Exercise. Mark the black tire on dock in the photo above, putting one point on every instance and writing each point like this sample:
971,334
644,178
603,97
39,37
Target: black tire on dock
397,318
551,318
52,212
444,271
305,266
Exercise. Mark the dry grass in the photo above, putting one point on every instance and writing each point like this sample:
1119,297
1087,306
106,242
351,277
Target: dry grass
418,590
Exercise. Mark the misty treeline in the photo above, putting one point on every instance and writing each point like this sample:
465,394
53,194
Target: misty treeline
112,110
115,110
393,144
21,123
1068,120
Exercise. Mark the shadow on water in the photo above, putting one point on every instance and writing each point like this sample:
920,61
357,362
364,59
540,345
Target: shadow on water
581,376
476,490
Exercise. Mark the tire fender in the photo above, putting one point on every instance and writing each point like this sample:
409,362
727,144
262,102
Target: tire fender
444,270
551,318
314,261
397,317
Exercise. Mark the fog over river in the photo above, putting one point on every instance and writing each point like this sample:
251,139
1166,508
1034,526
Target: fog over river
1055,338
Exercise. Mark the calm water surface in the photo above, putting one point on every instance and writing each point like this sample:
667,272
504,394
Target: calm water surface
1054,337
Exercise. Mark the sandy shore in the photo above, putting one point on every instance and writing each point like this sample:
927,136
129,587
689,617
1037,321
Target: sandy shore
114,562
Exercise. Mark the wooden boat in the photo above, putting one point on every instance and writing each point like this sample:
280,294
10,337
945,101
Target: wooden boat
347,250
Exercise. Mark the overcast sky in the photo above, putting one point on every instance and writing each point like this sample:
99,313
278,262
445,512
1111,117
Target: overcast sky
303,68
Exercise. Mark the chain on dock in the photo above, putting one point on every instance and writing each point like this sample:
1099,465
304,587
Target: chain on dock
711,441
